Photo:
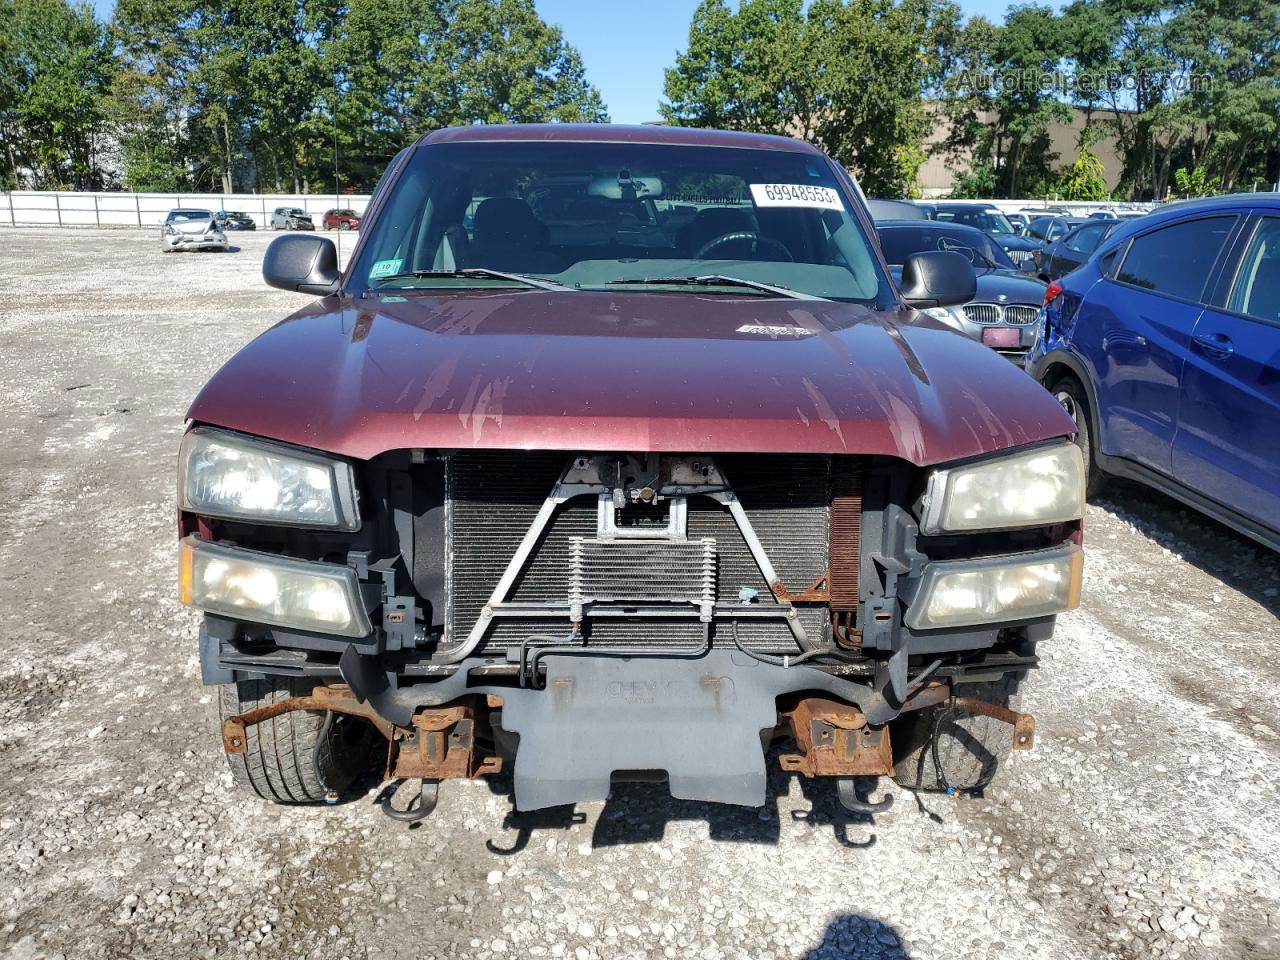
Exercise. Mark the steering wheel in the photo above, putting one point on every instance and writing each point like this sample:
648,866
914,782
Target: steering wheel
756,240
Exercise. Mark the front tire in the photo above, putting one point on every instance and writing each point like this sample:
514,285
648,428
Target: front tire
971,747
296,757
1070,393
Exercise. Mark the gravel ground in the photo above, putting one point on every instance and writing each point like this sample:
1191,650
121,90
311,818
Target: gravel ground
1145,823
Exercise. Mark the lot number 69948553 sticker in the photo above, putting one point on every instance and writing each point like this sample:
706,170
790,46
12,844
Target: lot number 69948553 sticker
795,195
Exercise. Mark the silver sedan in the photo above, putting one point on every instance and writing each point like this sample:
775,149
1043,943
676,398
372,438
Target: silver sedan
191,230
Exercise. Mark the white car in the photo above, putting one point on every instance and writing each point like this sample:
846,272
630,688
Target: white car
191,230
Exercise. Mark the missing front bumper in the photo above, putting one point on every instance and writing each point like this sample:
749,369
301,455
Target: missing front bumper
702,722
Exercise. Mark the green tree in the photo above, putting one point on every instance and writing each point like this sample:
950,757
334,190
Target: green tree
387,83
147,103
55,68
879,60
1085,179
298,94
1228,108
752,69
507,65
1196,182
849,75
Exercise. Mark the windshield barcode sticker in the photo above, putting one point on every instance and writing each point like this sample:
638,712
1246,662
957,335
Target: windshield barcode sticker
795,195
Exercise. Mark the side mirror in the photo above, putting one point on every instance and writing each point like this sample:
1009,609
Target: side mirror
938,278
302,264
1027,265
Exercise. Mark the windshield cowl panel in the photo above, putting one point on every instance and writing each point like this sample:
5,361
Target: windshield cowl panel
588,215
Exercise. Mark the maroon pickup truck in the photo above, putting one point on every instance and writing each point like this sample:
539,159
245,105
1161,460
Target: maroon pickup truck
617,453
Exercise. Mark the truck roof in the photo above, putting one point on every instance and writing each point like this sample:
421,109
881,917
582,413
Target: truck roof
616,133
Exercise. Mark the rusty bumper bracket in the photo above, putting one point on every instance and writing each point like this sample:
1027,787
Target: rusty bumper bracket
438,745
336,699
835,741
1024,724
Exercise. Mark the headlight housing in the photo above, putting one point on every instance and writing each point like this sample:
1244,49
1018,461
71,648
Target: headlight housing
961,593
266,588
234,477
1036,487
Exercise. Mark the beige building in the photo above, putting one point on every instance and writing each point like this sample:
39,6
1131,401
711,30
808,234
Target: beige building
939,172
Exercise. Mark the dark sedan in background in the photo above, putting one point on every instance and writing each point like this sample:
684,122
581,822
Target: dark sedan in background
989,219
1060,257
896,210
1003,313
1047,229
234,220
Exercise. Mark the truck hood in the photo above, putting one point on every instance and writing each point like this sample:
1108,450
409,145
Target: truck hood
624,371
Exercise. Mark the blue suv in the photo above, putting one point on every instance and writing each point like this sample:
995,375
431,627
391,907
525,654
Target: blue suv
1165,348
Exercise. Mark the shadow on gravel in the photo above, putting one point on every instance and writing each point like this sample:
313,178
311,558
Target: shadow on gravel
639,813
853,935
1239,562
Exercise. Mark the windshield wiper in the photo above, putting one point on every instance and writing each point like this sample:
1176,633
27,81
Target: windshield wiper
482,273
718,280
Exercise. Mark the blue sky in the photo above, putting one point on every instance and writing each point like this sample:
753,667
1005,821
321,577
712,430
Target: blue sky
627,48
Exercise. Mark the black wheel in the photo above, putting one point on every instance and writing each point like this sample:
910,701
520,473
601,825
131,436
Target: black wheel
1071,394
294,757
971,747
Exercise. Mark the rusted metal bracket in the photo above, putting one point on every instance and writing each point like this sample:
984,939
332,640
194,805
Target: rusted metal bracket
1024,724
439,745
336,698
835,741
816,592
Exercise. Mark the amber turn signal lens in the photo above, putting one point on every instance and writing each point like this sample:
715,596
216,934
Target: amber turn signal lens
185,563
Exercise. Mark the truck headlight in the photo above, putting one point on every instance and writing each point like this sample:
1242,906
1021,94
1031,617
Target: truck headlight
1033,488
961,593
266,588
234,477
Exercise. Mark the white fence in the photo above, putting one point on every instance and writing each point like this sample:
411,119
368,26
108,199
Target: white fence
27,208
1073,208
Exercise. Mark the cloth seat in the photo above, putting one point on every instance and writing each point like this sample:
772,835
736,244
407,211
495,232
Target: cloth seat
507,235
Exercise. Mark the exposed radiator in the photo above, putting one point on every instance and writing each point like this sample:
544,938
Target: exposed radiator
494,496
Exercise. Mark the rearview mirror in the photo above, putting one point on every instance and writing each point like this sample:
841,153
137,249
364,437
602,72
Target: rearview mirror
938,278
302,264
1027,265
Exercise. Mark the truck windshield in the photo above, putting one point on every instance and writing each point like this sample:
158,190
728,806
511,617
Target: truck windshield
604,216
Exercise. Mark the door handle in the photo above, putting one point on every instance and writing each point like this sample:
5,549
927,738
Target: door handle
1216,345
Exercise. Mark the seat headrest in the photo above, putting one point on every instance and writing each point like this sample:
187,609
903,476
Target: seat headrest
508,221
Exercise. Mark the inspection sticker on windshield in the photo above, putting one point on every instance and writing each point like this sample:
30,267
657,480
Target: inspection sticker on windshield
385,268
795,195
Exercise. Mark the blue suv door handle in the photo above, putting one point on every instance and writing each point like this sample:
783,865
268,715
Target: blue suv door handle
1216,345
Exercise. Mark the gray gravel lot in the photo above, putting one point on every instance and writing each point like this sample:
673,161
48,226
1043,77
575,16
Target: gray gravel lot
1145,823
